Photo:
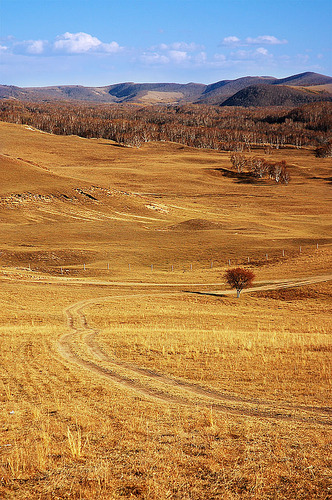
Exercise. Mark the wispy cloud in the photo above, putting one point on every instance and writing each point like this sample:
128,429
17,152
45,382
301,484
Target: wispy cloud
231,40
262,52
153,58
259,40
174,53
241,57
28,47
184,46
178,56
166,57
265,40
36,46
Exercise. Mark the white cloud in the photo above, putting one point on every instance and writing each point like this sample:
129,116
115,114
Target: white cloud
178,56
201,58
176,53
171,56
219,57
154,58
265,40
182,46
261,51
241,54
82,43
76,43
246,55
35,46
3,48
231,40
165,55
218,61
67,43
29,47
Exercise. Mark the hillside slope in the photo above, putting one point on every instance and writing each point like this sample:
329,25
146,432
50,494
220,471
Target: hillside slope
69,192
218,92
305,79
268,95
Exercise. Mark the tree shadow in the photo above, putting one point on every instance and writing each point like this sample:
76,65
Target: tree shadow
114,145
211,294
240,177
316,178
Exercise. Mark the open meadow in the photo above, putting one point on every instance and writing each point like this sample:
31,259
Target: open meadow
128,367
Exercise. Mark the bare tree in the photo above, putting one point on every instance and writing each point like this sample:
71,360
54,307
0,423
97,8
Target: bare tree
239,278
238,161
278,171
258,166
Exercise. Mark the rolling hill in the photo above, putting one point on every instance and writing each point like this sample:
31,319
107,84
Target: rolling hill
269,95
218,92
305,79
176,93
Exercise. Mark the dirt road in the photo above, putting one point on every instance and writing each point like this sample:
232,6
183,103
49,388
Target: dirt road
80,347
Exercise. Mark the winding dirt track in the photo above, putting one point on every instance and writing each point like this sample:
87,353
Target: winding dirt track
81,348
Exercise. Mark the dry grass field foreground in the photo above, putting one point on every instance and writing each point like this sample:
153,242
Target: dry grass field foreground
149,383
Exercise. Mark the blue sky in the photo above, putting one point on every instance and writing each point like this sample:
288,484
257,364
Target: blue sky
100,42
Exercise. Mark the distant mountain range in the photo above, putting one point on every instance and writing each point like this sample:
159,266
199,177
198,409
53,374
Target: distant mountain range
247,91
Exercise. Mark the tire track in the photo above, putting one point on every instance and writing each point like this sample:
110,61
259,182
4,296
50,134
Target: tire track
156,386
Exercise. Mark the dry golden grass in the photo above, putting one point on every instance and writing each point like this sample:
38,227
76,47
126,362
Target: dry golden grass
144,193
281,349
128,383
69,433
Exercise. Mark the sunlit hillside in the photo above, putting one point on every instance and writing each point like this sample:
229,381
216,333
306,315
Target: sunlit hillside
129,369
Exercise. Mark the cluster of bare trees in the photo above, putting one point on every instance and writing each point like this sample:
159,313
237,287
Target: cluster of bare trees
259,167
201,126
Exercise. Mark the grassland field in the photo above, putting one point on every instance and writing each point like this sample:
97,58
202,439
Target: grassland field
128,367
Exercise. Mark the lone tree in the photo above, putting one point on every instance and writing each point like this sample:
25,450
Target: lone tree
239,278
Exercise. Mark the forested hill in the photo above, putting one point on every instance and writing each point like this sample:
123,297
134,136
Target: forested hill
262,90
280,95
